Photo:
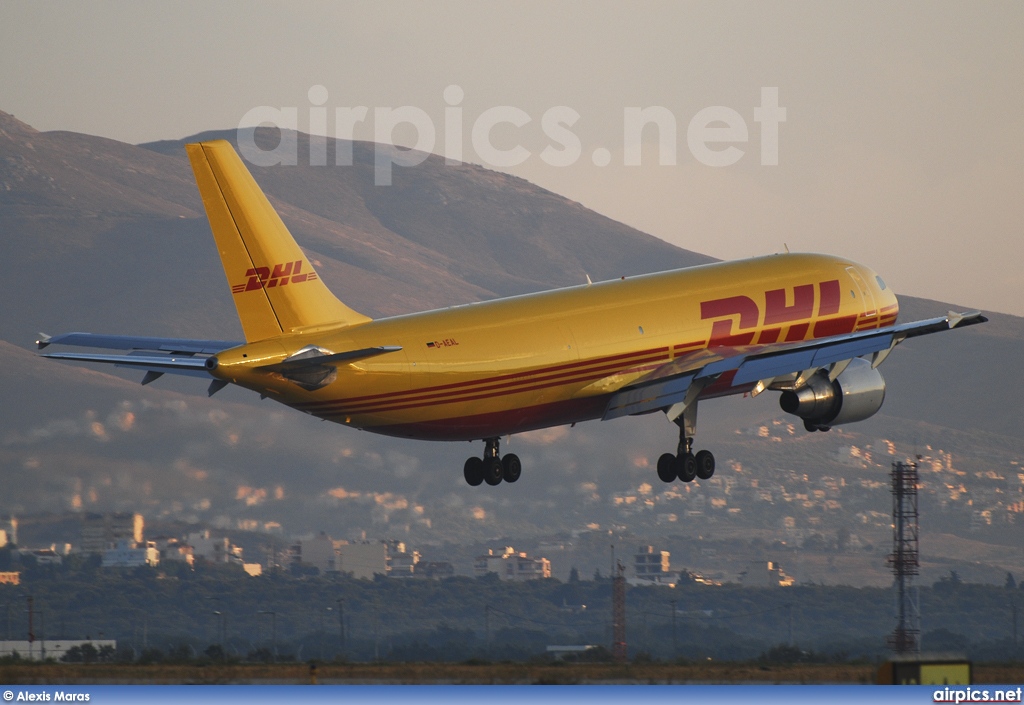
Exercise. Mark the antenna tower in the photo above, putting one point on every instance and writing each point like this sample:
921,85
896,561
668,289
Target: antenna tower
619,614
904,559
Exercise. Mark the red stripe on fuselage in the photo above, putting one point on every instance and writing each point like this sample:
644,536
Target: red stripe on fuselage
573,366
476,392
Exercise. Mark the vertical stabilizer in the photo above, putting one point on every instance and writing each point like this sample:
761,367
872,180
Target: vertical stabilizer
274,286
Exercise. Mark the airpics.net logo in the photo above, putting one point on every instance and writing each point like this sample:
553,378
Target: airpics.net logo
715,136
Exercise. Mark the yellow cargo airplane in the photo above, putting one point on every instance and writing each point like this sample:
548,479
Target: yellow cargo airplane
811,326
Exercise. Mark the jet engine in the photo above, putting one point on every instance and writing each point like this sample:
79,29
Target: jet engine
855,395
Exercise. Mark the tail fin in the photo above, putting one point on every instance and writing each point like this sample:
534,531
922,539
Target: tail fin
274,286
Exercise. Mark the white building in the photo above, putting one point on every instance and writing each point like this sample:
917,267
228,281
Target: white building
365,559
127,555
43,556
213,550
512,565
171,549
317,552
49,648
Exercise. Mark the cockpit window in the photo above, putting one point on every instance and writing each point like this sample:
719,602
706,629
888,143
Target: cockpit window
881,284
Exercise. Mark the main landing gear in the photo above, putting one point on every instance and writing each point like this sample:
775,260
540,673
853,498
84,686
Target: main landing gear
492,468
686,465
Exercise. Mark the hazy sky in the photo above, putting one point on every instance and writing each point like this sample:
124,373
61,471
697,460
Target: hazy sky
901,148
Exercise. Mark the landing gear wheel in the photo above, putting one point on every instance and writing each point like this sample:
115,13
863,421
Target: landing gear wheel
511,468
492,470
667,467
686,466
705,463
473,471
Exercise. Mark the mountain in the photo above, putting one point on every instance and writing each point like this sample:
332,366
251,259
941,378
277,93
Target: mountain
109,237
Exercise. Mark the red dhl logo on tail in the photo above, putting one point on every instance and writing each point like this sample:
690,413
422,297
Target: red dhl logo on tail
281,275
776,312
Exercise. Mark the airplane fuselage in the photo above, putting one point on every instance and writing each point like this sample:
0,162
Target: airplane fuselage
494,368
812,327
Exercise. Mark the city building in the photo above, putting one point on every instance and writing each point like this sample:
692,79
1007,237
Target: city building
172,549
434,570
569,652
125,554
316,552
11,577
41,649
42,556
401,562
651,565
509,564
101,531
364,559
213,550
765,574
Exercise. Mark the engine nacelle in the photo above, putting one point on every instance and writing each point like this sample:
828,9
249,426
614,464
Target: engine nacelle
855,395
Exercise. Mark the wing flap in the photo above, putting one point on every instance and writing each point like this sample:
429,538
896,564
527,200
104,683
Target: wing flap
639,399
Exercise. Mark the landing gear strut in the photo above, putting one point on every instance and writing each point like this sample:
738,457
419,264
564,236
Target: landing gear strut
492,468
684,464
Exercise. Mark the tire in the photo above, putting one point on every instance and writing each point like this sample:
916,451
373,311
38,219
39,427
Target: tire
511,468
473,471
705,462
492,471
686,466
667,468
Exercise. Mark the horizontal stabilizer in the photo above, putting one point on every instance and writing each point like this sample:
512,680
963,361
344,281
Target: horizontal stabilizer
174,364
127,342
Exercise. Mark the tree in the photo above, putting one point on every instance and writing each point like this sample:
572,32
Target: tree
574,575
86,653
842,539
948,583
1011,584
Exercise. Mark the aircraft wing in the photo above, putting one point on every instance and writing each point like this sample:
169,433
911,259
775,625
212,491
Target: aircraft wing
676,384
